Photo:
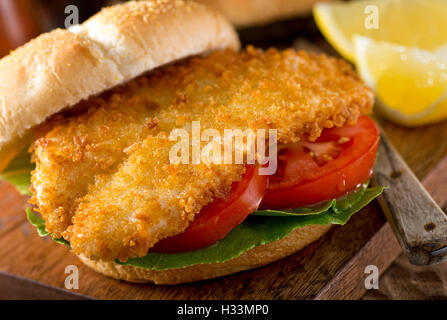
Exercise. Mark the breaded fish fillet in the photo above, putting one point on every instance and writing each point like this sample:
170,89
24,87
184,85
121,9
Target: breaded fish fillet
103,179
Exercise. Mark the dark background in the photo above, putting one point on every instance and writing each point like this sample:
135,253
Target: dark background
21,20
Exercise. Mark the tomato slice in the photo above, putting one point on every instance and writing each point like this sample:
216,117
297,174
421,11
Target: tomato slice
337,163
218,218
308,173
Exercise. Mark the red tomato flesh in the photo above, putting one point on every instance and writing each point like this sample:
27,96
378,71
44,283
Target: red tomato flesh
336,164
218,218
308,173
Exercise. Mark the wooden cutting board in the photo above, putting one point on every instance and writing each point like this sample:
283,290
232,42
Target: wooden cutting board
33,267
331,268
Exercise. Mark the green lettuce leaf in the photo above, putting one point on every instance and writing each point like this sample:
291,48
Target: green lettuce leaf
18,172
39,223
255,231
337,206
261,227
302,211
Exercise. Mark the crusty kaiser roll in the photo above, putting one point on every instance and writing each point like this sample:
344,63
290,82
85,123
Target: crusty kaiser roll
248,13
257,257
59,69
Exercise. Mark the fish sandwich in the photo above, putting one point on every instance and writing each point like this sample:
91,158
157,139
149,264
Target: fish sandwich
87,122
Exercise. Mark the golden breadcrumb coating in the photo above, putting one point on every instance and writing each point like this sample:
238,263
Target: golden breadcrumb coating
103,179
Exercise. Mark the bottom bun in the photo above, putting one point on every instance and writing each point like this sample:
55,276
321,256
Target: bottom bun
257,257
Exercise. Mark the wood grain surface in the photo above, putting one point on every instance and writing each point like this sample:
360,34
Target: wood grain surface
301,276
331,268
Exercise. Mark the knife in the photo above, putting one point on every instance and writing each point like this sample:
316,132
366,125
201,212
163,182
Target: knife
418,222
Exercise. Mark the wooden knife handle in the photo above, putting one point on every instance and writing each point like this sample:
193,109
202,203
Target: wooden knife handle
418,222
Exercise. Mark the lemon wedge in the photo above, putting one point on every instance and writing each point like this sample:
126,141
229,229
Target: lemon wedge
410,83
412,23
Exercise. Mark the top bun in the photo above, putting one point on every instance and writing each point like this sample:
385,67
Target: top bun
247,13
60,68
